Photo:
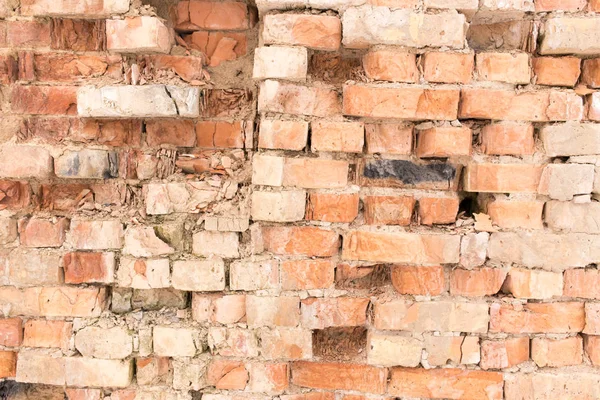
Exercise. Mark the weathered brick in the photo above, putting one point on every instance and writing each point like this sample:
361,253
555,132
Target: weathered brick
232,342
224,309
400,103
8,364
138,101
506,353
75,68
438,210
44,100
563,181
288,98
170,132
590,73
556,71
407,174
86,267
16,195
476,283
390,65
332,207
177,197
286,135
78,34
533,284
309,241
441,349
390,350
43,333
31,267
280,62
138,34
175,342
28,34
419,280
389,138
503,67
572,217
551,385
525,106
95,235
365,26
335,376
320,313
271,378
152,370
25,162
272,311
319,32
446,383
503,178
219,244
254,275
445,316
57,301
568,35
307,274
286,343
112,343
557,352
94,8
516,213
388,210
11,332
592,319
143,274
225,374
537,318
285,206
448,67
571,139
220,134
591,344
443,142
37,232
582,283
315,173
414,248
199,275
87,164
345,137
508,138
228,15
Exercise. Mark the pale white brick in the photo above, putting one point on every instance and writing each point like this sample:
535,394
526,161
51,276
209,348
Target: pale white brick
199,275
287,206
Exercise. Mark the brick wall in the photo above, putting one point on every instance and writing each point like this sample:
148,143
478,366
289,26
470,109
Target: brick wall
299,200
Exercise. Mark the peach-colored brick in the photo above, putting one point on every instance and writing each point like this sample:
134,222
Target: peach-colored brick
510,214
506,353
556,71
503,178
334,376
301,240
507,138
389,138
388,210
448,67
315,173
590,73
390,65
503,67
330,207
537,318
476,283
42,333
419,280
438,210
319,32
307,274
444,142
557,352
286,135
37,232
347,137
320,313
583,283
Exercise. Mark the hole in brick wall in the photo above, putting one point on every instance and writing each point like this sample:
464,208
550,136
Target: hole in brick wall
11,390
340,344
335,68
164,8
467,207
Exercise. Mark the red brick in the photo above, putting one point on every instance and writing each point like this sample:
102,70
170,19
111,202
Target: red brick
14,195
110,132
50,130
476,283
218,134
332,376
438,210
315,173
390,65
389,138
28,34
537,318
49,334
70,197
11,332
170,132
503,178
503,67
320,313
319,32
388,210
8,364
400,103
78,35
448,67
446,383
37,232
348,137
540,106
507,138
228,15
301,240
556,71
329,207
9,69
419,280
44,100
511,214
307,274
557,352
76,68
506,353
286,135
83,267
444,142
562,5
227,374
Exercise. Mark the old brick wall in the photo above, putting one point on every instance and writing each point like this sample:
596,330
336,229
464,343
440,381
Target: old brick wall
299,199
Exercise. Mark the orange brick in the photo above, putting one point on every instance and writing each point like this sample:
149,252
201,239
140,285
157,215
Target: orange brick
419,280
503,67
301,240
557,352
507,138
590,73
210,42
448,67
227,15
286,135
320,313
438,210
446,383
498,354
319,32
537,318
444,142
595,5
388,210
42,333
503,178
333,376
390,65
591,345
556,71
28,34
400,103
511,214
86,394
549,105
347,137
37,232
227,374
584,283
389,138
8,364
45,100
562,5
476,283
170,132
268,377
83,267
307,274
313,173
533,284
11,332
329,207
219,134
